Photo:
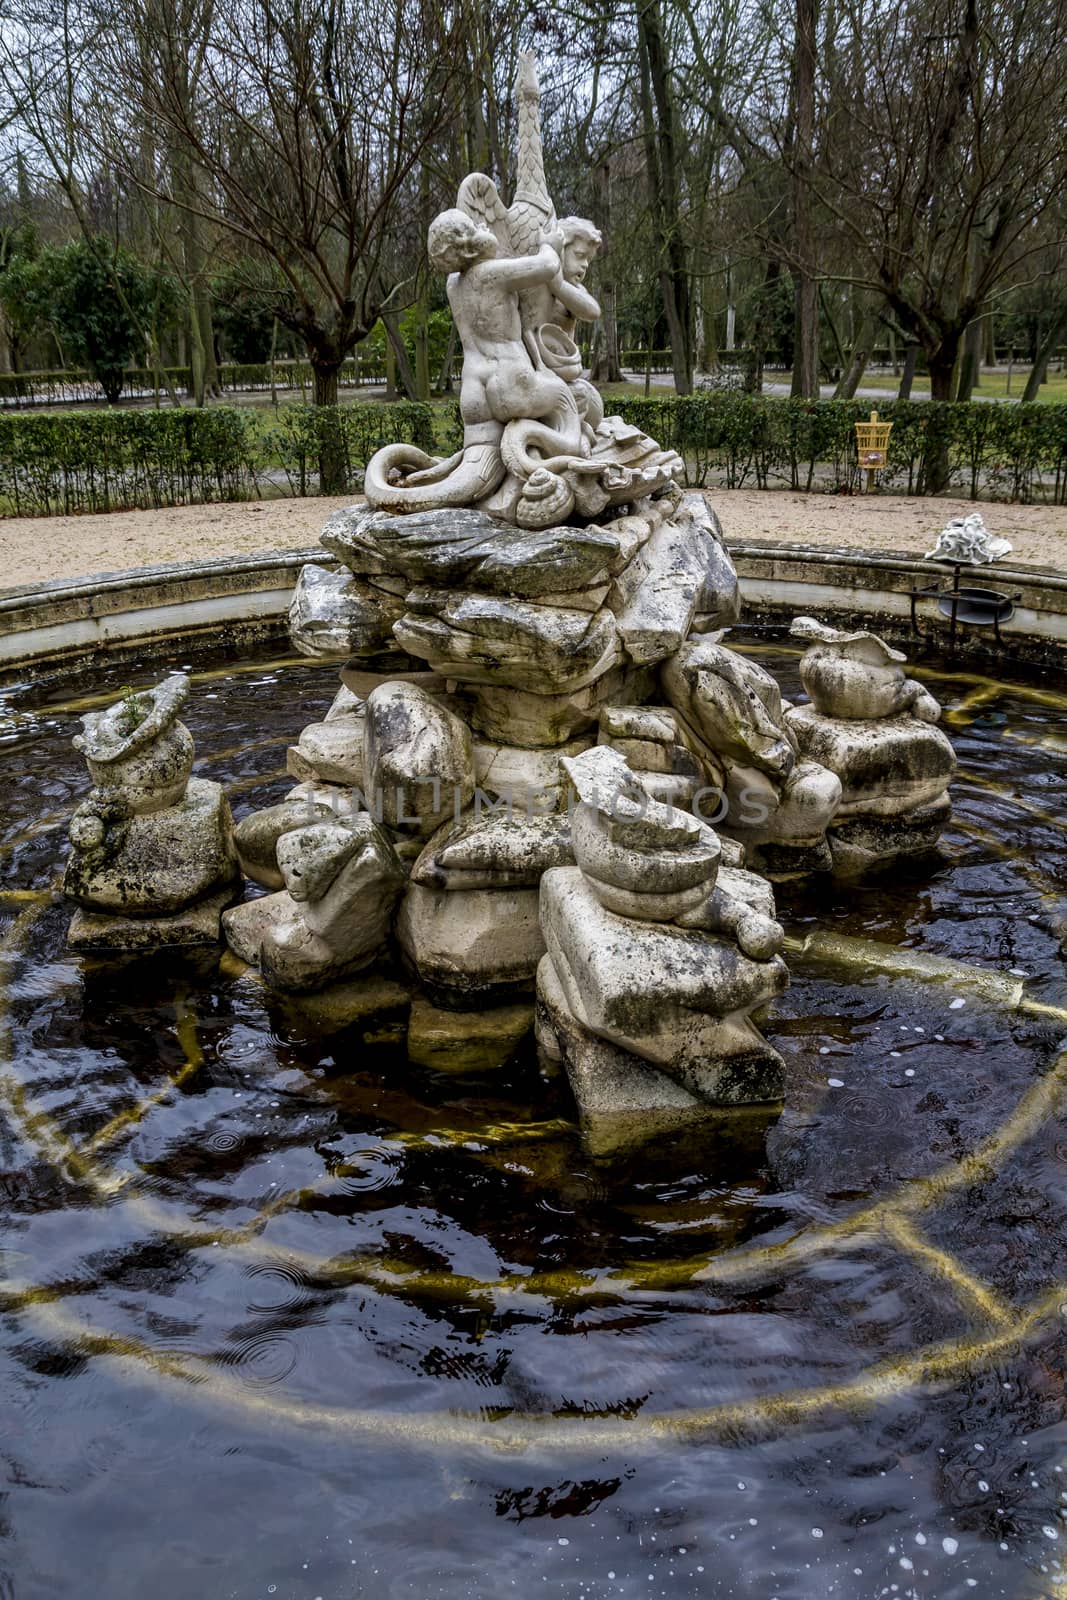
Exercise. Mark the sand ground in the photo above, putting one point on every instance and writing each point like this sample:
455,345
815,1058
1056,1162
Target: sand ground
38,549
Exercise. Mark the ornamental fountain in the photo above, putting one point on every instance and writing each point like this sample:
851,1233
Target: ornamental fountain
290,1248
543,766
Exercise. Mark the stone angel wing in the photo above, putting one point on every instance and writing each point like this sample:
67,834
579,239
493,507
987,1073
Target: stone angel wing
480,198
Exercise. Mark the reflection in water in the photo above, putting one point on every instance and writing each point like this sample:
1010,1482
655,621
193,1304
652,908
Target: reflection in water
289,1314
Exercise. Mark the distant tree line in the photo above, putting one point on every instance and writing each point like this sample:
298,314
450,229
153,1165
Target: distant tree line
806,182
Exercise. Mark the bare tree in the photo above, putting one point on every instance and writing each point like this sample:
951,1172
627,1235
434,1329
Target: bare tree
946,146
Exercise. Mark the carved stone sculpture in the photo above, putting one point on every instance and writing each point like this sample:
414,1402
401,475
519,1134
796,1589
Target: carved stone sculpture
333,917
873,727
774,801
152,850
536,445
657,952
968,541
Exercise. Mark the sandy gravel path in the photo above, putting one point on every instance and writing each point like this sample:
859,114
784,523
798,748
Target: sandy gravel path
37,549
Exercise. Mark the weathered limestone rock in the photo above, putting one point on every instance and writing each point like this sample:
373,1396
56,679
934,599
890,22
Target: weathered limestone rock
529,781
150,843
886,768
656,863
619,1096
680,1000
682,571
861,842
642,859
331,751
858,676
494,852
873,727
535,721
511,644
657,956
334,614
465,550
138,749
778,805
418,759
342,881
151,864
197,925
652,742
257,835
471,942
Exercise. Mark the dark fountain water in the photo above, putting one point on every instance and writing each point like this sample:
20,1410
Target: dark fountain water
289,1314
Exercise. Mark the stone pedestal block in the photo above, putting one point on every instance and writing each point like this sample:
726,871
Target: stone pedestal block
471,942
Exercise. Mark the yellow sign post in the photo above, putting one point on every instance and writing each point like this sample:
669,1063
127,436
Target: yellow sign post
872,446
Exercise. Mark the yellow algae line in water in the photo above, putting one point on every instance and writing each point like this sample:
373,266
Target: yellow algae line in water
885,1380
632,1278
942,1264
1056,699
240,750
963,713
258,778
896,961
494,1133
36,1127
44,824
194,1061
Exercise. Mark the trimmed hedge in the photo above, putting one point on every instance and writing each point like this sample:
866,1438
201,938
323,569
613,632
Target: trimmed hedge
109,460
993,450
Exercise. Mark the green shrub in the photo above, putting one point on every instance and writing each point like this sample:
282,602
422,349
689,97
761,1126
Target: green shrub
992,450
300,433
108,460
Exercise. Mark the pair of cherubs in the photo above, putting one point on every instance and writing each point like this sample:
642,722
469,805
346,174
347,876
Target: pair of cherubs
507,367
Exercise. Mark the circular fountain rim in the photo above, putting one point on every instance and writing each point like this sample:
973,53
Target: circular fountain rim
146,610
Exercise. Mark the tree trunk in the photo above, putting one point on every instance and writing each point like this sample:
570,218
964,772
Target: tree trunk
907,377
403,364
661,161
942,367
422,350
989,349
202,297
333,468
971,364
607,368
197,363
1044,355
444,377
806,344
857,361
760,327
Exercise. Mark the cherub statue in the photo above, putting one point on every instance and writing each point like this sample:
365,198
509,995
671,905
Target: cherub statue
500,383
535,446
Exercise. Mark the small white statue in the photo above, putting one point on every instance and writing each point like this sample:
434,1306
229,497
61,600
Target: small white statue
968,541
152,852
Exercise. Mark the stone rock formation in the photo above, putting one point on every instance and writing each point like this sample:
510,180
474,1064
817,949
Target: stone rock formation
872,727
774,800
333,917
152,856
656,958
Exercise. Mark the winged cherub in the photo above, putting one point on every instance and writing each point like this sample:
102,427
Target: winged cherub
500,381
